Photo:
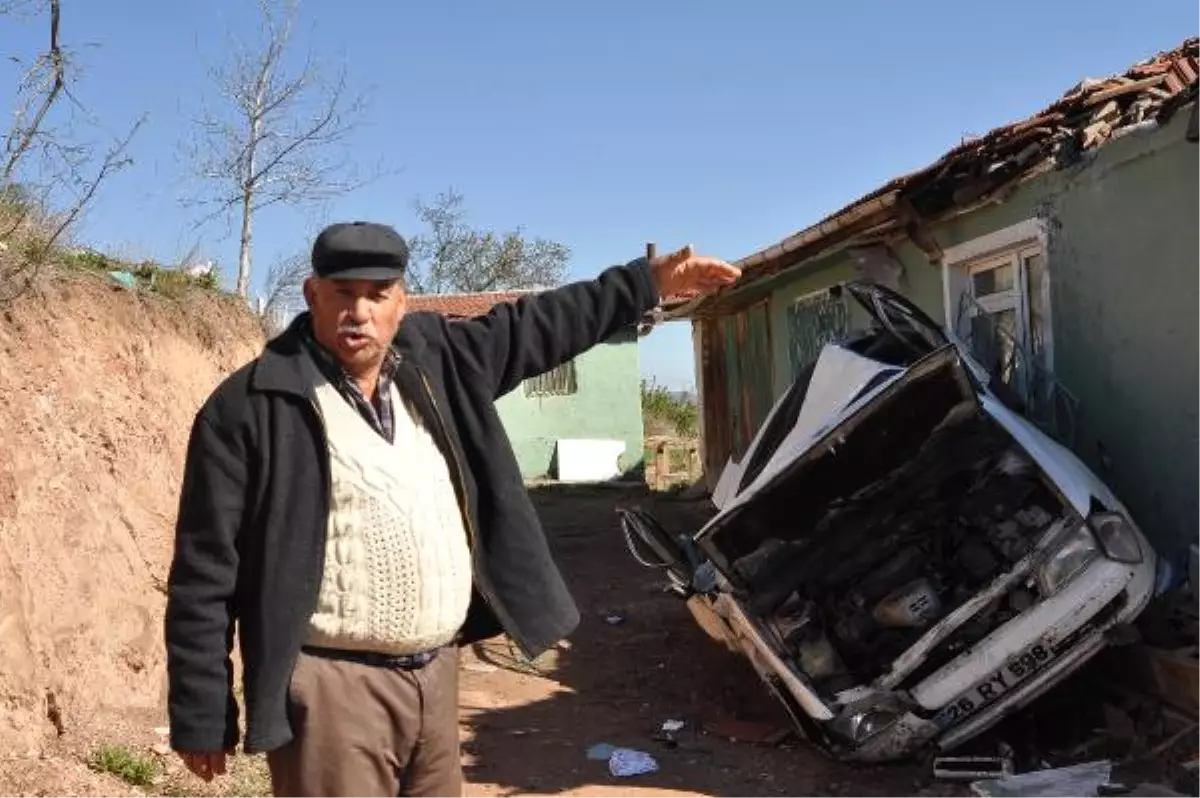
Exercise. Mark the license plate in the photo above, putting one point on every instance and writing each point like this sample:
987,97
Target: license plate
999,682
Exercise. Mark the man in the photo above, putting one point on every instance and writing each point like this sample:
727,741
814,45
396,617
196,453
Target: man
350,499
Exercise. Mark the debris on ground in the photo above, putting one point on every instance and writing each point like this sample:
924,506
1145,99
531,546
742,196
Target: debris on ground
1082,780
975,768
627,762
614,619
667,731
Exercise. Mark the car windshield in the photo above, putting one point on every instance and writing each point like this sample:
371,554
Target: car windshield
899,317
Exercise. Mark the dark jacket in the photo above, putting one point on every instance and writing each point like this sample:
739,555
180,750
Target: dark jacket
250,538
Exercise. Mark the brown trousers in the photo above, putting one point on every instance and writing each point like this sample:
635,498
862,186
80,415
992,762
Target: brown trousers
366,730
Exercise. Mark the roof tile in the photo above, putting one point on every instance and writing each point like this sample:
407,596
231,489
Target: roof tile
461,306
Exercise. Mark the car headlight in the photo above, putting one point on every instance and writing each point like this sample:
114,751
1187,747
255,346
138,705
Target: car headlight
1116,537
859,726
1073,555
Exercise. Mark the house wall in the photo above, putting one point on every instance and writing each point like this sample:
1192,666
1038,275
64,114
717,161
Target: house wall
607,404
1122,264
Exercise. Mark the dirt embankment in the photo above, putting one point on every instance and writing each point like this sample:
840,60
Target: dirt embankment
98,387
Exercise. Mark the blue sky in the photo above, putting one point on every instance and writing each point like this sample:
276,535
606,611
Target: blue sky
601,125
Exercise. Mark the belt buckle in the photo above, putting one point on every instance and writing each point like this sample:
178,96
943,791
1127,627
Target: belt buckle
410,662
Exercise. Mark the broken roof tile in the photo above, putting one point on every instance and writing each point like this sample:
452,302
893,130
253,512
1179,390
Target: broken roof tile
1185,68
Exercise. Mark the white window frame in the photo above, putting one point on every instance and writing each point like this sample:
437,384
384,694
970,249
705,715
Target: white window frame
1013,244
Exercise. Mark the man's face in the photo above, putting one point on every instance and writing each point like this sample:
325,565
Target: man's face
355,319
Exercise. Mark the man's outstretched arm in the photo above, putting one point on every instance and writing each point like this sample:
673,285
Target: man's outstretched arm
533,335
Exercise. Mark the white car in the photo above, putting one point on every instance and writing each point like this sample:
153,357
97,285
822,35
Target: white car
903,558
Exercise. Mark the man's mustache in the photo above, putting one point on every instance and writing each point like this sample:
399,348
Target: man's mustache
354,329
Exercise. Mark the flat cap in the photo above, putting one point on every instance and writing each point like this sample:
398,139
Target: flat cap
360,251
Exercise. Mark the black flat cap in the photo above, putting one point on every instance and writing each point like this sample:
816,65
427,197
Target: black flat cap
360,251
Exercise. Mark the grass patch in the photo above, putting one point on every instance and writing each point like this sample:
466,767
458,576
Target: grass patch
148,275
119,761
30,239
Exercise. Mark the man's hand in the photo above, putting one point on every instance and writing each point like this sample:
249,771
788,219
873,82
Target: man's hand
683,274
205,764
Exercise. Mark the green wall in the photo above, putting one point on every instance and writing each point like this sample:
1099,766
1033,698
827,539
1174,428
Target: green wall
1123,266
607,404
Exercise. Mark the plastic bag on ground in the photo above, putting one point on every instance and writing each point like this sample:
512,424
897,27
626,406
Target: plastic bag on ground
626,762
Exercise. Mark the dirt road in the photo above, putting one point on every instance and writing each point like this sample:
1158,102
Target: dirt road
528,733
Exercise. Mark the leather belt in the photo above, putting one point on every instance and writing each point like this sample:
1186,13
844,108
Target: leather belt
399,662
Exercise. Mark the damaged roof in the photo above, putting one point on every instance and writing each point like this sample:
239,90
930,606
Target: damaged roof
461,306
980,169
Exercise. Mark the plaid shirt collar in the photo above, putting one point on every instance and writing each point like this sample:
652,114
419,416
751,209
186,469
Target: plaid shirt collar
380,414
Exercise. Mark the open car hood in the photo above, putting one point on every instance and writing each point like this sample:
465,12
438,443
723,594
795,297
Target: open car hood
840,375
845,389
839,378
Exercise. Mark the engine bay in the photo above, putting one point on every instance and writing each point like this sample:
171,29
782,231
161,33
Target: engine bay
849,565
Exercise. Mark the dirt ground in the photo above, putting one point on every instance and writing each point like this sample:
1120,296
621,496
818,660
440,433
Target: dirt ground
616,683
526,728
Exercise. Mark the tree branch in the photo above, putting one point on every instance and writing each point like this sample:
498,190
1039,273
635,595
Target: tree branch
58,71
115,160
451,256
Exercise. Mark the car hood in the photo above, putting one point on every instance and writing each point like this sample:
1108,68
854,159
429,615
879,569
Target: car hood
843,382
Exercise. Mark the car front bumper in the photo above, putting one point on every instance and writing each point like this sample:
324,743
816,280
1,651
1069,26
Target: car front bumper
1074,620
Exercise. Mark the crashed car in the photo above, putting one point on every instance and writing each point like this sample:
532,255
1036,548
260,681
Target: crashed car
903,558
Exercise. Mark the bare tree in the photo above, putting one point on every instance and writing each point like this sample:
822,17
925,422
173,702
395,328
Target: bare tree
14,7
43,84
285,285
451,256
281,136
43,166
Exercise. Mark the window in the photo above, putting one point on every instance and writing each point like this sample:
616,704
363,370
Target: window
813,321
997,297
559,381
996,307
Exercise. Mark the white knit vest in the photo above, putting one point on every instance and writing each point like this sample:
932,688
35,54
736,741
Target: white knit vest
397,577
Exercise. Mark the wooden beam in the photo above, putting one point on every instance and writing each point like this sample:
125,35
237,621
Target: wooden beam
918,231
1117,91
